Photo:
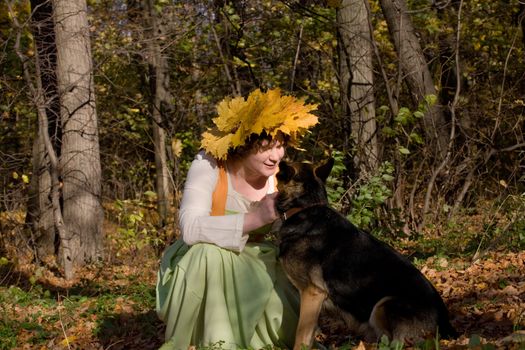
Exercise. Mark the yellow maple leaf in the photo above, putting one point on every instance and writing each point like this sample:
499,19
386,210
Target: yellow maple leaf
215,145
229,111
68,340
239,118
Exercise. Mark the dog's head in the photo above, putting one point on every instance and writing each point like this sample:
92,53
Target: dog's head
301,185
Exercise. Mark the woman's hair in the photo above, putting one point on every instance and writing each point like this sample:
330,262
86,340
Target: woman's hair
254,143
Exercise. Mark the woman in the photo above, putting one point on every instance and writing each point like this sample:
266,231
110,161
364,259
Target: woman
221,284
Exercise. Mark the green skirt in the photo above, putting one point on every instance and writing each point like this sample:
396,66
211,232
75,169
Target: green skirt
207,295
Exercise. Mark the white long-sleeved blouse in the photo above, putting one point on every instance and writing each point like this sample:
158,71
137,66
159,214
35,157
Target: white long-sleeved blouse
197,225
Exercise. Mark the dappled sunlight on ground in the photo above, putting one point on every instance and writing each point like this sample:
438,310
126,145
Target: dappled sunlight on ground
110,305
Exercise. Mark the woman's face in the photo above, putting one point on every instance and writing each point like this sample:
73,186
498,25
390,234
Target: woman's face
264,160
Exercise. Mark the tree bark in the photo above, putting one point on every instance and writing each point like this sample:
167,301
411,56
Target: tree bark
223,47
416,72
356,81
39,206
80,159
161,101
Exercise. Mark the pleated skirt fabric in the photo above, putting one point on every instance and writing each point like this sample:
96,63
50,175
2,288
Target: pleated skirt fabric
212,297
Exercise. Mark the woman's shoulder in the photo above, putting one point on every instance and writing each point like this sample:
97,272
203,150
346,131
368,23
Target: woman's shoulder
203,170
202,156
203,159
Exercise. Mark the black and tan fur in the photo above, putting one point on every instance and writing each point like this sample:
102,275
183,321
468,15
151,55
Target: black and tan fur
339,267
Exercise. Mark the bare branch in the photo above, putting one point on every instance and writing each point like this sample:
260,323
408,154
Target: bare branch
444,162
296,58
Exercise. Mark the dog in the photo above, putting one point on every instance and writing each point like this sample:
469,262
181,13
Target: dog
338,267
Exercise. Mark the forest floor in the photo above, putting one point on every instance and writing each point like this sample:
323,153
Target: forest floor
111,306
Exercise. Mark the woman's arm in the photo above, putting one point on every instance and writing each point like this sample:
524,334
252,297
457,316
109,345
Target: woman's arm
194,213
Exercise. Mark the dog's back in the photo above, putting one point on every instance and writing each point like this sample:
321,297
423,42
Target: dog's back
374,288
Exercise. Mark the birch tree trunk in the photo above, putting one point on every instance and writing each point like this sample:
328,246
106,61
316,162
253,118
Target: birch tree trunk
80,158
415,71
356,81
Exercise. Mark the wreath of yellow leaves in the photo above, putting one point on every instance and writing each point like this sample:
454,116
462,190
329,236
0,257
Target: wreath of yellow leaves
262,111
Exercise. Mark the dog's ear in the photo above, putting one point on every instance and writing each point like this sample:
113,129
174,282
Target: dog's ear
285,173
322,171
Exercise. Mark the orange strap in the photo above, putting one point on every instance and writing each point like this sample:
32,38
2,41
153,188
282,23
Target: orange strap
219,195
218,198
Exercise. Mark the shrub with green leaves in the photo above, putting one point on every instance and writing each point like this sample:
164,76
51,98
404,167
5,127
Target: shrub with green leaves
334,182
404,128
365,198
134,231
370,196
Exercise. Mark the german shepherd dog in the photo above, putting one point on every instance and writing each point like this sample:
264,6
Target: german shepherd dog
337,266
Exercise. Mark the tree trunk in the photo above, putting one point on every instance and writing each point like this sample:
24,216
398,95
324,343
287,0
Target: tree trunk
161,101
521,20
80,159
222,42
39,207
356,81
415,70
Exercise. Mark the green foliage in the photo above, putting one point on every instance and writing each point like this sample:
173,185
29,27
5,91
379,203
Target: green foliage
504,227
17,295
189,144
334,183
11,299
104,309
386,344
405,127
474,342
8,333
17,116
134,232
487,227
366,198
429,344
516,227
370,196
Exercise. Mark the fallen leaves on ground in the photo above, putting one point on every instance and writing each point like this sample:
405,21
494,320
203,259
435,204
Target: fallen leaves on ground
486,301
112,306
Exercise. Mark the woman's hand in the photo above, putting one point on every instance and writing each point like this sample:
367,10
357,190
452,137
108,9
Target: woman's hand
261,213
266,208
